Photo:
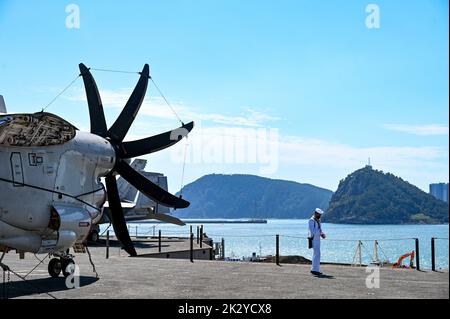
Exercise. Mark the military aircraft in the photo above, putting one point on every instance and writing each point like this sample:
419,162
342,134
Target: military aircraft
51,190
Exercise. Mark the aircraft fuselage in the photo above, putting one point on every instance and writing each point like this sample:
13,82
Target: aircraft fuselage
50,195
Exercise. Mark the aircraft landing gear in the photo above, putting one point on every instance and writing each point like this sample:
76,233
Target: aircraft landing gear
62,264
54,267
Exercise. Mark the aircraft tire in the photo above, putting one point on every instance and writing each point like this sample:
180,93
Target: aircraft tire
54,267
94,237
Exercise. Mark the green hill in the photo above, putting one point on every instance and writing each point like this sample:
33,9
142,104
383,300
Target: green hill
369,196
249,196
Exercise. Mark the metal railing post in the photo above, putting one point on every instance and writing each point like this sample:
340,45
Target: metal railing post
191,251
360,254
433,256
159,240
201,236
198,234
277,245
375,252
417,253
107,244
223,249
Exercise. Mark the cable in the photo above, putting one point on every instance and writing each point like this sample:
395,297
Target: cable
352,240
92,263
184,165
367,251
242,236
154,83
296,237
40,262
52,191
106,229
382,251
167,102
6,268
300,237
389,239
115,71
57,96
92,192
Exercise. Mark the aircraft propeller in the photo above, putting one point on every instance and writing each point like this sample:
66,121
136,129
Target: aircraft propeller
125,150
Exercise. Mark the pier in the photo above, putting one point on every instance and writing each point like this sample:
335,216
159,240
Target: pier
125,277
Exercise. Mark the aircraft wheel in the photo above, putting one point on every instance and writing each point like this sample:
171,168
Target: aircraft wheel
65,264
94,236
54,267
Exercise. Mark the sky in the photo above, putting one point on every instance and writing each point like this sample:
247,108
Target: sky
298,90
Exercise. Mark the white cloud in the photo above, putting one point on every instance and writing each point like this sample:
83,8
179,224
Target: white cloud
300,158
425,130
325,163
157,107
217,149
303,150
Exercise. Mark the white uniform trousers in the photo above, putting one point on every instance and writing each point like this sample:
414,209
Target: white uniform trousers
316,254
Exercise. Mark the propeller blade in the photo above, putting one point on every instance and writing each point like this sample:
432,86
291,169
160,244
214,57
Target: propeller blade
96,114
121,126
155,143
116,215
149,188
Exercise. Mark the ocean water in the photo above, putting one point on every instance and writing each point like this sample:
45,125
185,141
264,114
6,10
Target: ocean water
241,240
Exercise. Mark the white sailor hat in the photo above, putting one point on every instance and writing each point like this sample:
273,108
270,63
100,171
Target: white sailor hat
318,211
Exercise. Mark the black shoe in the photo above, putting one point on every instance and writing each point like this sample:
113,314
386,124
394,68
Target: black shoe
316,273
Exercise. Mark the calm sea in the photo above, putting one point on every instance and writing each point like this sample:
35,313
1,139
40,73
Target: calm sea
242,240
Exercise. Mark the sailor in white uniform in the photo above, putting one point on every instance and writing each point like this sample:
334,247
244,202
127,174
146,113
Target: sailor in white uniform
315,234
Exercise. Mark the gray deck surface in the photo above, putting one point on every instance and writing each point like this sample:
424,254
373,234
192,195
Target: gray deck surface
125,277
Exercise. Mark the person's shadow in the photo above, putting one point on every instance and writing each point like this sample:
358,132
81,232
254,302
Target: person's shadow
325,276
30,287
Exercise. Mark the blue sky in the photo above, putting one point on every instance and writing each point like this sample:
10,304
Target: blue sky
336,91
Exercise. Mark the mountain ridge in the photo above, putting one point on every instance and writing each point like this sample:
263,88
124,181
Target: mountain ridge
369,196
251,196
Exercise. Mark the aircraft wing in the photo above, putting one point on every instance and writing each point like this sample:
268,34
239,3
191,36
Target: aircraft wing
149,213
137,214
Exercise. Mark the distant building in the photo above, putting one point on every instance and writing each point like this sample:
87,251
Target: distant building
440,191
